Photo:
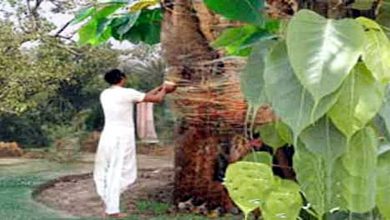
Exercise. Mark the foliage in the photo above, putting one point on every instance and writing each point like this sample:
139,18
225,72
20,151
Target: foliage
46,85
327,96
252,185
248,10
110,19
259,157
325,79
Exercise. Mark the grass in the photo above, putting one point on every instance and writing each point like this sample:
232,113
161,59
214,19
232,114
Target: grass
152,207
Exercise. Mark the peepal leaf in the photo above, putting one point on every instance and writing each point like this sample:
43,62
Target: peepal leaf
323,51
376,53
252,79
360,100
259,157
239,40
317,165
359,165
270,135
283,202
242,10
248,183
385,110
291,102
383,186
83,14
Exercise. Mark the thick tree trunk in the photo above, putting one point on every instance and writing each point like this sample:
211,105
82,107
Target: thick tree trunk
191,64
208,104
210,108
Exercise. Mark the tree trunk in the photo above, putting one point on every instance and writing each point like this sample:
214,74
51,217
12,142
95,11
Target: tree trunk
209,106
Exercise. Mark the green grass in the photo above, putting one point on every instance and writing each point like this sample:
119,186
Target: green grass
17,183
153,207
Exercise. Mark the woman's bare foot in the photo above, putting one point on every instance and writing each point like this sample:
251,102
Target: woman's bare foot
117,215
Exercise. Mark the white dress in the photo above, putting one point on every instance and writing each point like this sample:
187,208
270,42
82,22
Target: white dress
115,162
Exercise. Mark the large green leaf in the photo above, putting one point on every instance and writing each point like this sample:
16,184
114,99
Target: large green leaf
106,10
88,32
83,14
316,162
360,100
283,202
360,162
248,184
385,110
242,10
376,54
239,40
290,101
284,132
122,24
251,79
147,28
259,157
270,135
98,29
383,186
323,51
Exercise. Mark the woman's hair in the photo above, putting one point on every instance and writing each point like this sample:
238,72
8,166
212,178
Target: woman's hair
114,76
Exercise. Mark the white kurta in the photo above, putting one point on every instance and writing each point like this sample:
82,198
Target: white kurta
115,162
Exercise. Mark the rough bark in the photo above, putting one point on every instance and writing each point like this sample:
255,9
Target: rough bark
209,106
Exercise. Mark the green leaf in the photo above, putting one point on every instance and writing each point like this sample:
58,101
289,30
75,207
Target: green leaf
320,186
324,140
108,9
122,24
259,157
283,202
251,79
385,110
323,51
270,136
284,132
131,19
316,164
147,28
290,101
88,32
376,54
238,40
383,186
360,162
359,101
242,10
83,14
234,36
362,4
248,184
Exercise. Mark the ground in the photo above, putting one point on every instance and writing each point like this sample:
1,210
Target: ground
76,194
42,189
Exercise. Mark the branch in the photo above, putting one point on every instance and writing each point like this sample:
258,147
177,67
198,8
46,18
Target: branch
63,28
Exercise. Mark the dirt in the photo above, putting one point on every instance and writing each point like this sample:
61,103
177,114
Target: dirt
76,194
